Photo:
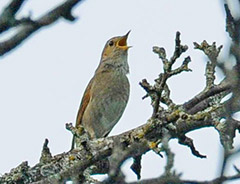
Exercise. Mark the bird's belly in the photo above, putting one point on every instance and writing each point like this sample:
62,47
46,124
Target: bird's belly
106,105
112,107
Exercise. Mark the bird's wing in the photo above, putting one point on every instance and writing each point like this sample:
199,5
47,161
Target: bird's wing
84,103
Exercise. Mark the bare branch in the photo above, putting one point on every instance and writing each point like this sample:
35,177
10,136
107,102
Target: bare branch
193,103
29,27
71,164
179,49
7,18
46,155
212,52
168,72
189,142
136,166
232,25
169,154
176,180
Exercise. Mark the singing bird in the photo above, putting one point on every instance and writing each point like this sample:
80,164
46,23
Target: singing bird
107,93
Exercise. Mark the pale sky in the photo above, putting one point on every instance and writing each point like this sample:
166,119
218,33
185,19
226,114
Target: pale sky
43,80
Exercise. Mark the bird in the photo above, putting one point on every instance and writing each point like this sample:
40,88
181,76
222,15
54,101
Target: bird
107,93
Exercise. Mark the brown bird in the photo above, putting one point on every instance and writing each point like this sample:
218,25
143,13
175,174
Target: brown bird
107,93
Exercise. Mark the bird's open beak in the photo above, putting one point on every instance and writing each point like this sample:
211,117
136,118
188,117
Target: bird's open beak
122,43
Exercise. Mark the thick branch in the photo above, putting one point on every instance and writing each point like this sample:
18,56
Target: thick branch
67,165
191,104
176,180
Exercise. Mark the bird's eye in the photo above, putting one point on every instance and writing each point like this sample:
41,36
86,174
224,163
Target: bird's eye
111,43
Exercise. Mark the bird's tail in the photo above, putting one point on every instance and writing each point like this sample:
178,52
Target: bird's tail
73,143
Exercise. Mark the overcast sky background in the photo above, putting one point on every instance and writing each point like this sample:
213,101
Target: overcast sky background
42,81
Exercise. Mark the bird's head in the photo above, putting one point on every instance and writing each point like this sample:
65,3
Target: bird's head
115,47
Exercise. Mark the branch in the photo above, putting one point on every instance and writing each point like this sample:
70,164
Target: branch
161,85
176,180
7,18
232,25
189,142
192,106
69,165
28,27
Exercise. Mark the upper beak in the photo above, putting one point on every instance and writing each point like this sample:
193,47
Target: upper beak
122,43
